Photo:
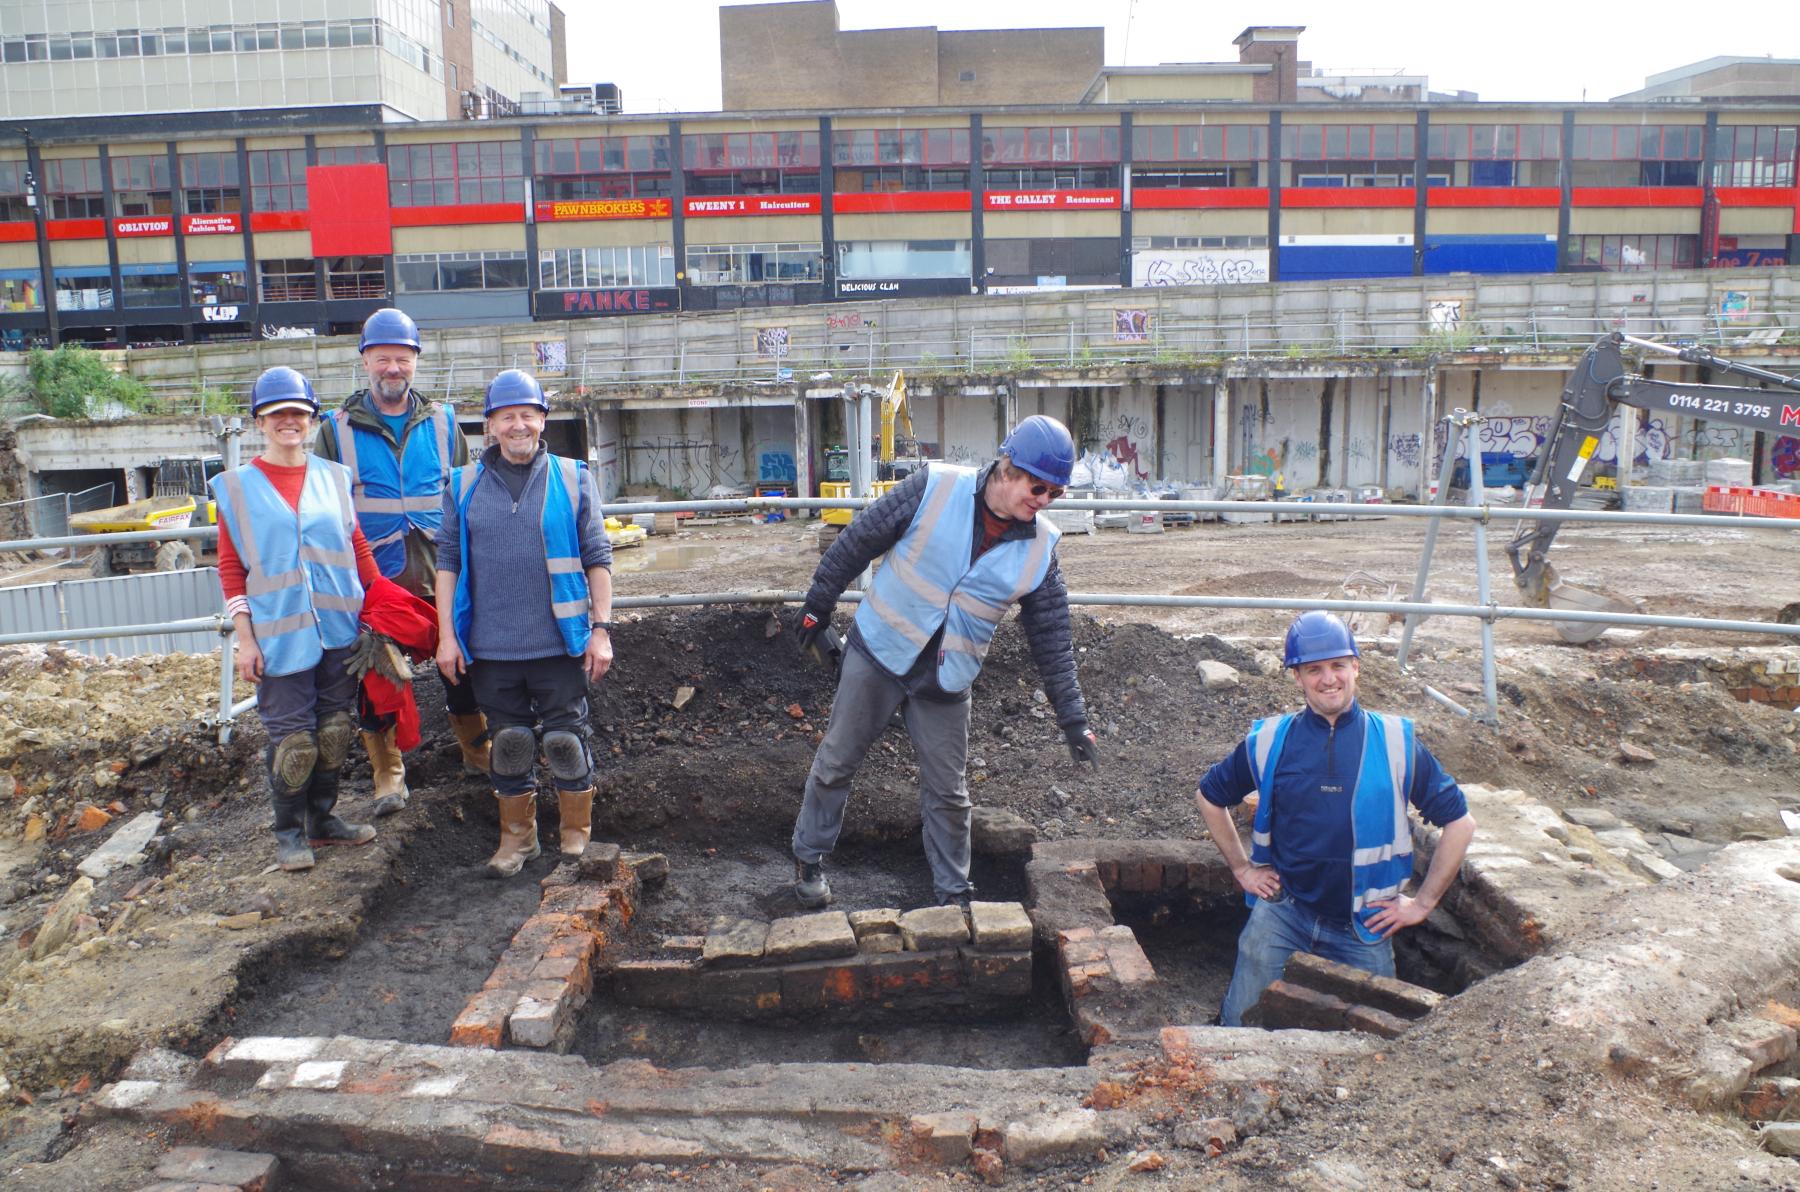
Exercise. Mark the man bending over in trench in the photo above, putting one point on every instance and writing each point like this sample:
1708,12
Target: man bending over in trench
1330,846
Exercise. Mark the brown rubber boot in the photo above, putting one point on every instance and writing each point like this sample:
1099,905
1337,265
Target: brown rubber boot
471,734
577,809
518,834
388,770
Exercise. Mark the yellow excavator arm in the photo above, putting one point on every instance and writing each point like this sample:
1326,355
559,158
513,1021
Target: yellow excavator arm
893,406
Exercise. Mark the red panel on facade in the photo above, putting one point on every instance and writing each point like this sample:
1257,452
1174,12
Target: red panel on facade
19,231
461,213
1756,196
278,221
752,205
1636,196
349,207
883,202
75,229
1051,200
1199,197
1493,196
1344,196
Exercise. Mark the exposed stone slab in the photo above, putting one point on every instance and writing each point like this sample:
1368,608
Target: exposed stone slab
809,937
934,927
946,1137
885,921
245,1171
1065,896
1047,1138
734,941
1000,926
994,831
128,842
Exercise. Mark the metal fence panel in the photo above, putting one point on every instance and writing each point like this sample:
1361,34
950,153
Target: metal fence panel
145,599
32,608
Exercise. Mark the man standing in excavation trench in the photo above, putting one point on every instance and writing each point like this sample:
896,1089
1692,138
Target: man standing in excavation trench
962,547
400,446
1331,846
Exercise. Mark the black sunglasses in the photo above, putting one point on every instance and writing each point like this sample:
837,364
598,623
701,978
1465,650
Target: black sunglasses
1038,490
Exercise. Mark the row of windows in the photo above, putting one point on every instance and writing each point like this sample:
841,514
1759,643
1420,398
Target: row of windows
889,259
1629,253
604,268
735,264
430,272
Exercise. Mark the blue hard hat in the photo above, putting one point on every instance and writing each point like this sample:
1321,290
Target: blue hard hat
1043,447
514,387
1317,635
281,388
389,326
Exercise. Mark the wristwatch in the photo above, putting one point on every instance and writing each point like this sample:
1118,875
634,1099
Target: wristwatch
606,625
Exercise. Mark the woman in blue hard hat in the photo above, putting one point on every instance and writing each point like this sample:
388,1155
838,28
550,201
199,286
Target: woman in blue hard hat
524,587
293,566
1331,845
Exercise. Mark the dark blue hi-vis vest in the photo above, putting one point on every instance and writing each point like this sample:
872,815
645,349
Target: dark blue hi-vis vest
928,581
1382,860
396,494
300,567
562,550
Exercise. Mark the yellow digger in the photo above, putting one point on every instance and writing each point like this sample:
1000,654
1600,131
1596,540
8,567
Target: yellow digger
889,471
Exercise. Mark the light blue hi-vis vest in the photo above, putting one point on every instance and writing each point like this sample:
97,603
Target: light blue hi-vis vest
927,581
1382,837
393,495
562,550
300,567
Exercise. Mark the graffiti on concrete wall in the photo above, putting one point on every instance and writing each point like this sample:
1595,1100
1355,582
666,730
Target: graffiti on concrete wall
686,464
1784,457
1200,267
1359,448
1266,462
776,467
1523,437
1404,449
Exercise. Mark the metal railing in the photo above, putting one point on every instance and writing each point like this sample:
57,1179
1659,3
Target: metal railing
1486,610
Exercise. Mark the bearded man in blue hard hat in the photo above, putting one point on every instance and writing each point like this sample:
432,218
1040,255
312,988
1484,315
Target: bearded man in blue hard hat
400,446
1331,845
524,599
962,546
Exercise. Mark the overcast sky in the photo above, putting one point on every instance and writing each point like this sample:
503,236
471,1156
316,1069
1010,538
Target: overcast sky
665,53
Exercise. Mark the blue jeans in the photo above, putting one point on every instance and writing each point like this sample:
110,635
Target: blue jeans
1276,931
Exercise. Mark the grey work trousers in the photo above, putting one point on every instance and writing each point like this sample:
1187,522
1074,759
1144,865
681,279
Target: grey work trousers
300,702
865,702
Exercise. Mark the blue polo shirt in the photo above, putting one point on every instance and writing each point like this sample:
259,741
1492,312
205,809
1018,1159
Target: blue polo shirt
1310,836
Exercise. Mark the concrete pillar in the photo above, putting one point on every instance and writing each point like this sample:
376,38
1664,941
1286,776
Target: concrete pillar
1221,417
1427,439
1625,428
803,468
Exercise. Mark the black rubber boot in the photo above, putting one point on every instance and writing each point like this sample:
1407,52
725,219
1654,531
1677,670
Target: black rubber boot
291,851
322,827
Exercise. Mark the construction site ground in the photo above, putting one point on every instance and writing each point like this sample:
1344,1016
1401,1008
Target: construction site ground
201,939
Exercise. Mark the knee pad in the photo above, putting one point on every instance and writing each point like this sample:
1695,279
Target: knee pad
293,760
567,756
335,734
513,750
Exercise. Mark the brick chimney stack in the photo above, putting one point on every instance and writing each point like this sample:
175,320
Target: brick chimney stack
1278,47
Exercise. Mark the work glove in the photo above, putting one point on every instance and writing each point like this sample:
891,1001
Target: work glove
812,623
377,652
1083,745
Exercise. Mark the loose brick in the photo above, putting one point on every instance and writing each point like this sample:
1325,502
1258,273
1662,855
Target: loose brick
1770,1099
650,868
934,927
483,1021
539,1023
731,942
246,1171
809,937
999,926
1371,1021
885,921
946,1137
599,862
1296,1007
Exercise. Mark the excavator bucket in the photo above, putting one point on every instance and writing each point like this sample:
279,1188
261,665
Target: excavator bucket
1577,599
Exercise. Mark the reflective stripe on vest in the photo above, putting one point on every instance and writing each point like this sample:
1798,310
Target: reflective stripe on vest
1381,856
927,581
569,596
397,491
300,567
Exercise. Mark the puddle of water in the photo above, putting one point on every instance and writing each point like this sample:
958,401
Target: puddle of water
664,558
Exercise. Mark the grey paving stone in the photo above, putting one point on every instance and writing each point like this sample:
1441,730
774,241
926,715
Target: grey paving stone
809,937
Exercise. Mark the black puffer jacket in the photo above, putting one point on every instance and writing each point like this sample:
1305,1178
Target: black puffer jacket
1043,611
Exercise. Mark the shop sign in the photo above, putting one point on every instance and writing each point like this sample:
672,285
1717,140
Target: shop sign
904,287
623,301
558,210
144,225
752,205
219,314
210,225
1050,200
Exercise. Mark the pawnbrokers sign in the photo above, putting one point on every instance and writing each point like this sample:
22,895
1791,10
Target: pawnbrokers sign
578,304
558,210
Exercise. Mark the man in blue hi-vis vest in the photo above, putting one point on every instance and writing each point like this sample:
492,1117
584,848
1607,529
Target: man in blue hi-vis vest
1331,846
960,546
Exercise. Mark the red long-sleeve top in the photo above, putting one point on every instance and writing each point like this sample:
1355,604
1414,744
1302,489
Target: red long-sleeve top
288,482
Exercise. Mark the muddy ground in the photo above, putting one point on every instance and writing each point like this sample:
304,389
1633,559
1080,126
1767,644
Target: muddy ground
389,940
